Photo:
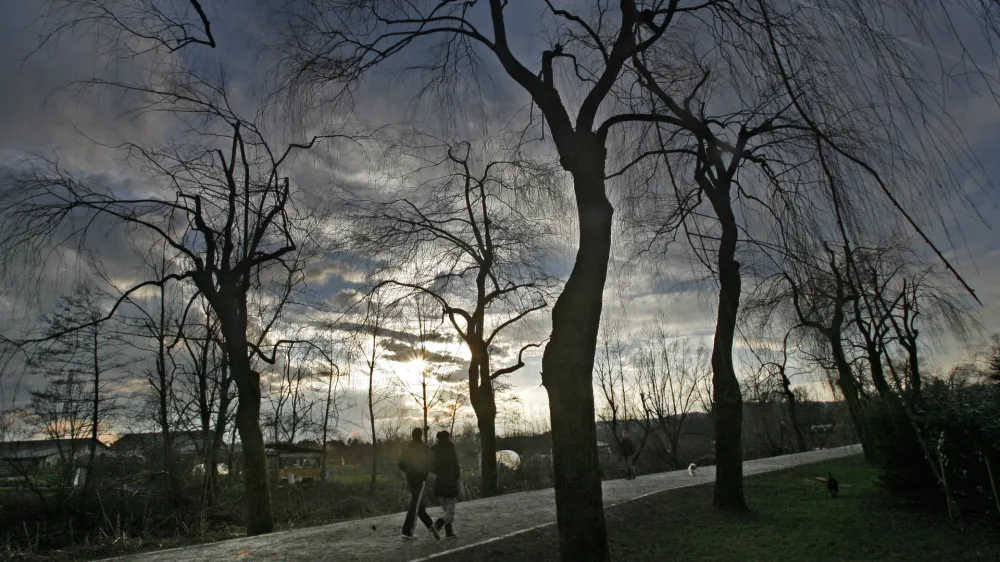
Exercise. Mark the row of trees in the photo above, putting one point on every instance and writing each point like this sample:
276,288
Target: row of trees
775,138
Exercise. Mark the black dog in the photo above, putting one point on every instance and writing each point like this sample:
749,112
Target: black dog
833,486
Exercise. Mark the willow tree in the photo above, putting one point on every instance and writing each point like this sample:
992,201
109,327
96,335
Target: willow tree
780,125
333,44
599,84
227,220
215,194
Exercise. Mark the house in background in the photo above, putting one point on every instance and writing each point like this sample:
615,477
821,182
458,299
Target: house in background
45,455
189,449
149,445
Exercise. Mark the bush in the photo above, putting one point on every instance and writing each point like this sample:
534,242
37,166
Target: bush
965,420
902,468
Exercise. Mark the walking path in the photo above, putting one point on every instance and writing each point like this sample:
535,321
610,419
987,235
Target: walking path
477,522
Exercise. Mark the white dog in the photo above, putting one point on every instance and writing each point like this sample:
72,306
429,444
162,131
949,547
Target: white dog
692,469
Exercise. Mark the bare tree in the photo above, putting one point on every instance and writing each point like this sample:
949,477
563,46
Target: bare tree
614,376
62,410
239,236
290,401
452,408
82,356
668,374
370,336
781,370
464,232
155,322
333,402
774,59
819,300
331,41
208,388
427,398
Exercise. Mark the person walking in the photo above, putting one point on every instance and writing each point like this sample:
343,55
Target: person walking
447,473
416,463
627,449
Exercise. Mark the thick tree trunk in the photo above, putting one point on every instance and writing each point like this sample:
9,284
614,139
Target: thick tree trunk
257,498
848,386
488,454
726,388
169,462
568,361
483,402
878,373
913,373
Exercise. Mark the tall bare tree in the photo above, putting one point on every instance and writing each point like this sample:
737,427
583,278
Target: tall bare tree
467,246
615,378
776,59
668,374
220,201
781,370
239,232
370,339
331,41
208,388
332,404
88,354
431,394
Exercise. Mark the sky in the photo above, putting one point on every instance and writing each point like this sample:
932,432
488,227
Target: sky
38,114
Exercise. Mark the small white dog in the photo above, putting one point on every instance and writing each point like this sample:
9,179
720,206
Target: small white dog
692,469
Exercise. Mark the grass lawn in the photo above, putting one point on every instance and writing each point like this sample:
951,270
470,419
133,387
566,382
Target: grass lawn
793,519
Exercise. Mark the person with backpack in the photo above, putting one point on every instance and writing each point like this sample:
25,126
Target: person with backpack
416,463
627,449
446,484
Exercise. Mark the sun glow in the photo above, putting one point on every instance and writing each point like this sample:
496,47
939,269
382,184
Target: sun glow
417,366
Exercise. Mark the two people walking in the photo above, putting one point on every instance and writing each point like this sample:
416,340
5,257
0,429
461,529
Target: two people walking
417,461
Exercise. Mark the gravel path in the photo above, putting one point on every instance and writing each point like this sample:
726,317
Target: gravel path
476,522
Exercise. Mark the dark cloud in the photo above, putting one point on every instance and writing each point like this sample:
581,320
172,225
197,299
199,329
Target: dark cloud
402,352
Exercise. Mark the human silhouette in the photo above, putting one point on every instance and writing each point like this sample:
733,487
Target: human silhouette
447,470
416,463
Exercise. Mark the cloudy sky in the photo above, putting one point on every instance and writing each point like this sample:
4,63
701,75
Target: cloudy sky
38,114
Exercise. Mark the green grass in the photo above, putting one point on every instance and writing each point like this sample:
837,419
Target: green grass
792,519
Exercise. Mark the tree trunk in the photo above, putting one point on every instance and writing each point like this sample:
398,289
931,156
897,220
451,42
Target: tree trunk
326,425
847,384
483,402
878,373
96,415
371,420
726,388
218,438
488,454
786,388
257,499
568,361
913,373
427,429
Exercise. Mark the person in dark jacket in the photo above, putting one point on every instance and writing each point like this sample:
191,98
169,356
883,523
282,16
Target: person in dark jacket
627,449
446,485
416,463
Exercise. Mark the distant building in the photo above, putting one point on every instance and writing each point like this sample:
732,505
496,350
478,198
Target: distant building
150,445
45,454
